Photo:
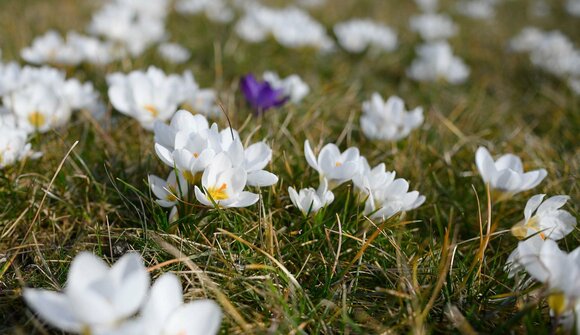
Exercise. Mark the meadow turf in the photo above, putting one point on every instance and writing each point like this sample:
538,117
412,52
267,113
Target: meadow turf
436,269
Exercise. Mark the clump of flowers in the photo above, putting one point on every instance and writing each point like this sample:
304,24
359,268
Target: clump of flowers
389,121
102,300
384,195
215,164
552,52
291,27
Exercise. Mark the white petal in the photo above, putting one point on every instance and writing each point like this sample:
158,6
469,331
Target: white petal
245,199
262,178
310,157
133,278
202,317
552,203
532,205
485,164
53,308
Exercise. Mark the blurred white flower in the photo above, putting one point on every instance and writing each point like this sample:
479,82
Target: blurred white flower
555,53
291,27
96,298
174,53
427,6
477,9
433,27
38,107
527,40
214,10
13,145
436,62
146,96
51,48
133,27
545,218
559,271
333,165
507,173
573,8
309,200
165,313
168,192
359,34
223,185
574,84
389,120
203,101
292,86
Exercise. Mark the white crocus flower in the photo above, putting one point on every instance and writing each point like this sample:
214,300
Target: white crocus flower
182,122
389,120
203,101
333,165
507,173
559,271
39,107
546,218
165,313
174,53
436,62
309,200
369,180
193,153
146,96
252,159
223,184
391,199
359,34
51,48
168,192
13,145
292,86
128,26
96,298
433,27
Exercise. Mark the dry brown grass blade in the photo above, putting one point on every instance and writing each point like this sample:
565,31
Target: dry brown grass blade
459,321
290,276
37,215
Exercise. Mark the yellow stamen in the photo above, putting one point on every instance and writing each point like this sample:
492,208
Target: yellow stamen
195,154
171,195
557,303
36,119
151,109
218,193
337,164
191,178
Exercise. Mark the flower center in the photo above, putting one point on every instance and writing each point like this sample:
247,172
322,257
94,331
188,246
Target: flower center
195,154
36,119
152,110
171,193
557,303
520,230
218,193
338,164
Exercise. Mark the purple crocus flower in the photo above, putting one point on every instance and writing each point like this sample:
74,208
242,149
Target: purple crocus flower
261,95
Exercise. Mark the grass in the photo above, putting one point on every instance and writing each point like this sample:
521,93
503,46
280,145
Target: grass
435,270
